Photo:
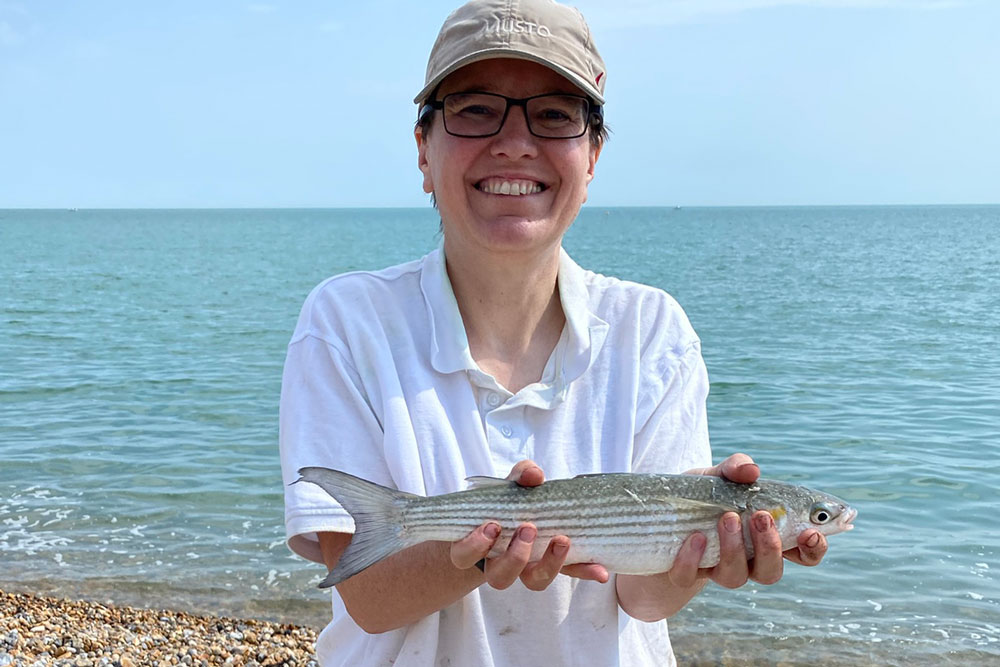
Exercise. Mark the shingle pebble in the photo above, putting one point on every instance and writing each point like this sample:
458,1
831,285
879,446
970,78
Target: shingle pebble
37,630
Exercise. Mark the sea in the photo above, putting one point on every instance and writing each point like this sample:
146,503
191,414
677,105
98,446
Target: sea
852,349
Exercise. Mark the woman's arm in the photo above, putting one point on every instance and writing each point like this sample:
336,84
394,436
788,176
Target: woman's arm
403,588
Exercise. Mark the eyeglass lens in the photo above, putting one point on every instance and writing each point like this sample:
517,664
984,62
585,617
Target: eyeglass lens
483,114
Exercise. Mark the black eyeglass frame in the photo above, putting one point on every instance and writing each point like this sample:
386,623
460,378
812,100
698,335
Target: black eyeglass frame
595,113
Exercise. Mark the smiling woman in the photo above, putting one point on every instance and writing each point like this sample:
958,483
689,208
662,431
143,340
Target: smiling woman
498,355
469,176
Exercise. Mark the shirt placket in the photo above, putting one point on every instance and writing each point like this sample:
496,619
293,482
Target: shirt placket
507,434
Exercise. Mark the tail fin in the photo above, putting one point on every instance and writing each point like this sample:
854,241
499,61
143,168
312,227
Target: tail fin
377,514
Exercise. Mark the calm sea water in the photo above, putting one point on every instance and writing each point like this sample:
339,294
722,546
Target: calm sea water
853,349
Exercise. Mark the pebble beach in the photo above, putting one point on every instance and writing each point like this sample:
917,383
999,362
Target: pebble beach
41,631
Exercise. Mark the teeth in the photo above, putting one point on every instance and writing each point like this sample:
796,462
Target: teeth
497,186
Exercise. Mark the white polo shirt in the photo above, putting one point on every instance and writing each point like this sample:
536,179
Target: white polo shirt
379,382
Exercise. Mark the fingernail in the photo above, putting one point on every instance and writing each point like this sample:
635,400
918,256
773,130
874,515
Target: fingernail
731,523
560,549
492,531
699,541
813,540
527,534
762,522
747,466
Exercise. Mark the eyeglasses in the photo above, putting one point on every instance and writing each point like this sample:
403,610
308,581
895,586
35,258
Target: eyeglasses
551,116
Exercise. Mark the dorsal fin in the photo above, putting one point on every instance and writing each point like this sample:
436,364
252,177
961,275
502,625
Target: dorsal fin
482,481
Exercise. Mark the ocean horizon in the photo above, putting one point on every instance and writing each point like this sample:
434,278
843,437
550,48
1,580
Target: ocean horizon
850,348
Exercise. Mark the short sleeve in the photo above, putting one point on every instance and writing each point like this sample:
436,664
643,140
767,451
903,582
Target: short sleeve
672,429
326,419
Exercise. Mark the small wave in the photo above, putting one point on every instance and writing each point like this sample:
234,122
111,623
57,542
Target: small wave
938,481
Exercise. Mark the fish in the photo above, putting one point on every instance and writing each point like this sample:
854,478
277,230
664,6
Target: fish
631,523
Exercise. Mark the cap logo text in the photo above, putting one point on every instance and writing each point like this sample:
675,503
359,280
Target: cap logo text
500,25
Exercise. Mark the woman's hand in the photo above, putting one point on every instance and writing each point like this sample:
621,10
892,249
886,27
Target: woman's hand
515,562
657,596
734,569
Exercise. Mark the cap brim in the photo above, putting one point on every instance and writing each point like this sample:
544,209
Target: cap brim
488,54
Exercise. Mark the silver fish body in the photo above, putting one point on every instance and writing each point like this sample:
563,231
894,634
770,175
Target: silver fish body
629,523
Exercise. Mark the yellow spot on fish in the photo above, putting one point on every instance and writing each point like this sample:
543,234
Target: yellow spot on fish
778,514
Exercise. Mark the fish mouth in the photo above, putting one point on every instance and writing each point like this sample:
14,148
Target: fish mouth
846,519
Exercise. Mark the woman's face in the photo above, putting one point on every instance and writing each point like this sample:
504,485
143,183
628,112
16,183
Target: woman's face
466,175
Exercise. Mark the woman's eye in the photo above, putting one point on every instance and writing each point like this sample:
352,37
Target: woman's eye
555,114
476,110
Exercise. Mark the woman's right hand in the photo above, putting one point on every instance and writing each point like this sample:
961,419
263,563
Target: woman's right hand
515,563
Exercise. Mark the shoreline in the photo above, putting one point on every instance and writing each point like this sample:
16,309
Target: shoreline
40,630
37,630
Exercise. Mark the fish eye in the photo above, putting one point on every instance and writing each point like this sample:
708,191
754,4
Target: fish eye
820,514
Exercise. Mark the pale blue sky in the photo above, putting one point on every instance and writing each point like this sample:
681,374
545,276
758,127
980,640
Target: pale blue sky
711,102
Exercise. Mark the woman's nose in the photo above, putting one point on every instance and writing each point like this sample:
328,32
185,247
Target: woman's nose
514,140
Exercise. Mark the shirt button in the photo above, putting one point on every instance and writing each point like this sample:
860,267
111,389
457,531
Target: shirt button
493,399
506,430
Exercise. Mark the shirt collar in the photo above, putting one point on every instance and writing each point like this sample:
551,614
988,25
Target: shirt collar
586,330
449,344
583,335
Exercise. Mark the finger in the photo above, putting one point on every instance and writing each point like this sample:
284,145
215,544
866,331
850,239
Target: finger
809,550
475,546
733,569
504,570
526,473
767,566
538,575
589,571
739,468
736,468
684,572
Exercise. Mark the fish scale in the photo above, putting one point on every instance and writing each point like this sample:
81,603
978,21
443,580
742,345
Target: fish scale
629,523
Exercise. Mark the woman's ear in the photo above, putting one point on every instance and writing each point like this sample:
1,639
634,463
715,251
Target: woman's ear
423,162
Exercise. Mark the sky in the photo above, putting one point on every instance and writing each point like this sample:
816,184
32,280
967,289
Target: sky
114,103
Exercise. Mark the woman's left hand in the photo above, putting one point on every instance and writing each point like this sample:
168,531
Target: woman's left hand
734,569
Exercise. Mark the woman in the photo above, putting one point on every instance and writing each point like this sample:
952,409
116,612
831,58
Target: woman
495,354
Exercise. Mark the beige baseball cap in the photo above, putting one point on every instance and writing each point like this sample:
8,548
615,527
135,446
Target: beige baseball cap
542,31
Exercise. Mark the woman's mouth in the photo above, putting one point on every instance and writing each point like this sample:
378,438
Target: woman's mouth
511,187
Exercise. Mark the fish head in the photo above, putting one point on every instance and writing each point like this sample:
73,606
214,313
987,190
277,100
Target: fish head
796,509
